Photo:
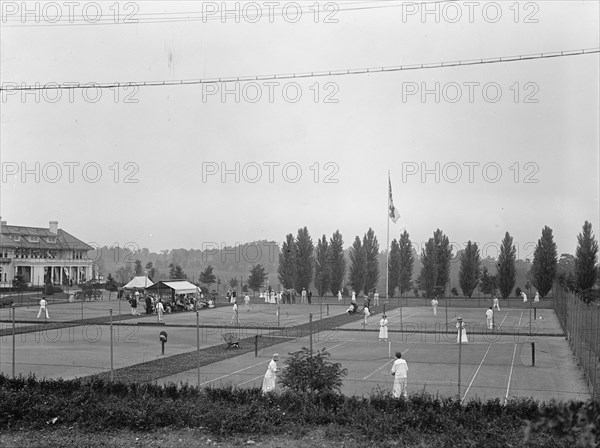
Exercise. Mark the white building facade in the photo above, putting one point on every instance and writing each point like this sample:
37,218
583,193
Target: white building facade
42,256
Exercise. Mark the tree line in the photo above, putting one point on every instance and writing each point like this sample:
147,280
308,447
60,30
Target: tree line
300,261
301,264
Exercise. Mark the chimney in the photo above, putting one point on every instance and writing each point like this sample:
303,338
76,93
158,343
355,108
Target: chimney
53,227
2,225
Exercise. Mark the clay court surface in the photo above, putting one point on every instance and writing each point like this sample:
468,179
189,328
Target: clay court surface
492,365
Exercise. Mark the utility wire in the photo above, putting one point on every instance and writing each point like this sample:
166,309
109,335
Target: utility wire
12,86
145,18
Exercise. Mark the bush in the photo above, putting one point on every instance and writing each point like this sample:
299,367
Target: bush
576,423
52,289
312,373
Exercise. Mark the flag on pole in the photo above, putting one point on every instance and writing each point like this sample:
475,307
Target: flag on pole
394,213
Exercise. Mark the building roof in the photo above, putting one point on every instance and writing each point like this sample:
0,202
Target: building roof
64,240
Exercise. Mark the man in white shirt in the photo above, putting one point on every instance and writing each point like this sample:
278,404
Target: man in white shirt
247,302
400,372
524,296
43,308
376,298
496,303
160,309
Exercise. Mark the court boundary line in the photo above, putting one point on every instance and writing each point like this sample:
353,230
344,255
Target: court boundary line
504,319
233,373
377,370
475,374
512,364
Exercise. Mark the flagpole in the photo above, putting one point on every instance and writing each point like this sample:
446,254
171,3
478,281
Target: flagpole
387,258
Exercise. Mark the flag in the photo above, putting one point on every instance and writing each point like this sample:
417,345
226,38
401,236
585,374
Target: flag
394,213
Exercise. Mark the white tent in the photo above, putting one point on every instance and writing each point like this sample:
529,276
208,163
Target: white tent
177,286
140,282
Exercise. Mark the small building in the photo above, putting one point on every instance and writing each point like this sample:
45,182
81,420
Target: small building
43,256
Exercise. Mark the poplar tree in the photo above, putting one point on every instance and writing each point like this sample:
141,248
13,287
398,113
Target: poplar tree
469,269
338,262
545,260
286,271
407,260
506,270
304,260
371,248
586,257
322,266
357,266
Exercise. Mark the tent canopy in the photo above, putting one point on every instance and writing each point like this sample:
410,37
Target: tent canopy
140,282
177,286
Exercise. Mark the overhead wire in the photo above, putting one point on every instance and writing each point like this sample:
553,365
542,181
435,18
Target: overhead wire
13,86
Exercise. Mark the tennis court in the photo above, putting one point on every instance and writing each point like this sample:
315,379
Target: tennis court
494,364
508,320
489,369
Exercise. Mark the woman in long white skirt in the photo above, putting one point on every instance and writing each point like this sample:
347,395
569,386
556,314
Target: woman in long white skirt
271,375
383,328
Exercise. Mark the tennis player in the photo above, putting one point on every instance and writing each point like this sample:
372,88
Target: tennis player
489,314
271,375
383,328
400,373
496,303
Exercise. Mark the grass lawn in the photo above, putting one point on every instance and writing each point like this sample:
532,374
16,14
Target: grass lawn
188,438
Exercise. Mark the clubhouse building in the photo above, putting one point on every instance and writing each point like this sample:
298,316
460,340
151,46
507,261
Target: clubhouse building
43,256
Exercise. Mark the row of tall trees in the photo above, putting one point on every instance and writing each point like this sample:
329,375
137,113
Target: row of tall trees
364,263
435,257
299,260
400,265
544,268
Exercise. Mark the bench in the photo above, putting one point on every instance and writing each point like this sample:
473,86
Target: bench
232,340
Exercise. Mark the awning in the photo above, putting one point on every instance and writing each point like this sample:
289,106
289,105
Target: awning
179,287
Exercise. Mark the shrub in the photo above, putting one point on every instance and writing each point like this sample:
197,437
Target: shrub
312,373
576,423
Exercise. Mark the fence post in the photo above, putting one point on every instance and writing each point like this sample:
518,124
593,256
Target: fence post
13,341
311,333
596,346
588,332
198,344
111,347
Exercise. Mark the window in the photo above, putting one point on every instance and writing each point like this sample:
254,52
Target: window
51,239
16,237
33,238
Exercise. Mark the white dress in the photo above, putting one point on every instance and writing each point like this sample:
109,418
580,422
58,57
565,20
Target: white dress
462,335
270,377
383,328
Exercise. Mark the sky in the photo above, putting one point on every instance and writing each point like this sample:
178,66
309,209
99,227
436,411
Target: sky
475,150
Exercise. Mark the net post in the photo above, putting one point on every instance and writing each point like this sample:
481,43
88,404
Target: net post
460,327
533,354
111,347
310,331
13,341
255,345
198,344
389,350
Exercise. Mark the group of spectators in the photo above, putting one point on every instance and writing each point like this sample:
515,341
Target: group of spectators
180,302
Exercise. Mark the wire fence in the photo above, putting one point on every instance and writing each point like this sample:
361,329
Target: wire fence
581,323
